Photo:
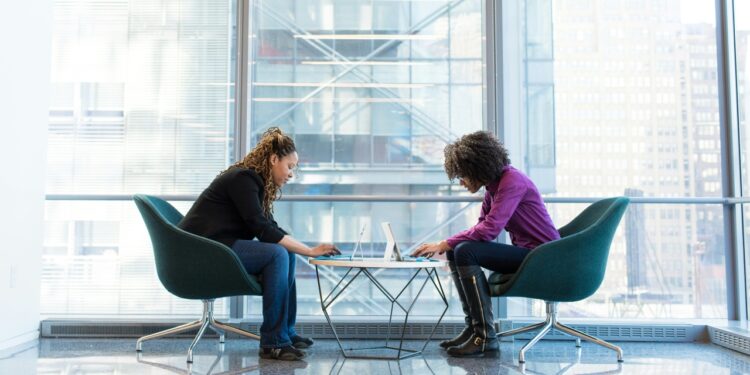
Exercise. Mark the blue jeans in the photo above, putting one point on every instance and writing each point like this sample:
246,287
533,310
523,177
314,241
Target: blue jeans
275,264
468,256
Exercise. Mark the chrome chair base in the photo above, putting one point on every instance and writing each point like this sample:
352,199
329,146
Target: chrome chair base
207,321
550,324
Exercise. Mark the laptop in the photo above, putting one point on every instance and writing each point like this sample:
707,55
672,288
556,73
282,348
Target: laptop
358,246
393,251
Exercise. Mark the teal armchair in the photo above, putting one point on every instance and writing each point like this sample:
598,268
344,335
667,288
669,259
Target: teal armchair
566,270
193,267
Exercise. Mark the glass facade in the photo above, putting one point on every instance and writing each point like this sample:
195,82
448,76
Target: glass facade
141,102
600,98
636,113
371,100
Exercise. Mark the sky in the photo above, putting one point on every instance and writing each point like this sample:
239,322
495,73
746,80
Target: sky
703,11
742,14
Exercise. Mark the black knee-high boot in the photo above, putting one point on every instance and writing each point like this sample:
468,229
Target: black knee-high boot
468,330
483,338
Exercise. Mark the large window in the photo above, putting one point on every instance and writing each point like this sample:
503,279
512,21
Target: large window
141,102
599,98
371,92
636,113
742,61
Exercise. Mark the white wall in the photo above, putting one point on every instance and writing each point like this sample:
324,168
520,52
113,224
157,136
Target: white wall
24,85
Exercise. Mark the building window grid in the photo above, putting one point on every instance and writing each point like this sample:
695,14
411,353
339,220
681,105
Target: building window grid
715,186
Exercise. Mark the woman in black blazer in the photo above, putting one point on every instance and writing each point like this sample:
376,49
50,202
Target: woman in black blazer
237,210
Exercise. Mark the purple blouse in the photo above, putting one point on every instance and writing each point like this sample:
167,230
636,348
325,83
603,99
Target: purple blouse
512,203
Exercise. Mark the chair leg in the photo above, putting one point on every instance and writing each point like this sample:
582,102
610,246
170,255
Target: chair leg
238,331
522,354
172,331
219,331
197,338
580,335
206,322
578,339
221,328
517,331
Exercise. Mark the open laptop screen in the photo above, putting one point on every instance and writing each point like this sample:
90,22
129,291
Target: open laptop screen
391,246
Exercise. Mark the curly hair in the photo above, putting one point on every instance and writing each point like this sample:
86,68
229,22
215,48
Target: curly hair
479,157
272,142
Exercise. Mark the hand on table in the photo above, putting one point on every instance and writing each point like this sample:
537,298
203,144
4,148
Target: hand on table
430,249
324,249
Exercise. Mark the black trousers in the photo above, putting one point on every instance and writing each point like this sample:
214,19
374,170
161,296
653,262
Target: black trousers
490,255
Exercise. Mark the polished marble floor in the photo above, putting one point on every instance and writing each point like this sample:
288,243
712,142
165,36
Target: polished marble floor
117,356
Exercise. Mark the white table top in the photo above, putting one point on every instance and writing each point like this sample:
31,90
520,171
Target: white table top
377,263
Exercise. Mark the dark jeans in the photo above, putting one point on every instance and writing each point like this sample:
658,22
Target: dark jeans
276,265
493,256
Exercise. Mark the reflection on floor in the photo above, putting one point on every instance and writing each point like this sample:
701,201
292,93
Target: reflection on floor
117,356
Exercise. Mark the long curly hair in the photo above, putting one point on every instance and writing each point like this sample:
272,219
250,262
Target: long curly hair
479,157
272,142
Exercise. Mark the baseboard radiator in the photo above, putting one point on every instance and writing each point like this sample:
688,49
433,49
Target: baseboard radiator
379,330
619,332
729,339
374,330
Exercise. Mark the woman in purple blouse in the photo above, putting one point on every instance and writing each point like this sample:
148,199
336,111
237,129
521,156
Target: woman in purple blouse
511,202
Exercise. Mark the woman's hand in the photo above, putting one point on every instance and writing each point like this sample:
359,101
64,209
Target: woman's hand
324,249
299,248
429,249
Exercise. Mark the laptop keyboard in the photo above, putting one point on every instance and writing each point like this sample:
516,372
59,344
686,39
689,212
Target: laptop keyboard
349,257
417,259
334,257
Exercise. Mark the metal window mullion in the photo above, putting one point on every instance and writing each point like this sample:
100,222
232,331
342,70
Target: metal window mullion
493,94
730,159
241,80
493,111
237,303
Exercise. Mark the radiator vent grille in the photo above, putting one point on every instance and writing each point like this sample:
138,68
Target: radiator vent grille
380,330
740,343
611,332
418,330
374,330
83,329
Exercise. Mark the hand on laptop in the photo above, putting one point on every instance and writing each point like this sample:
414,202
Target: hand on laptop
429,249
324,249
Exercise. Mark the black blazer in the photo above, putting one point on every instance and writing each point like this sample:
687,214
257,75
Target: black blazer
231,209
